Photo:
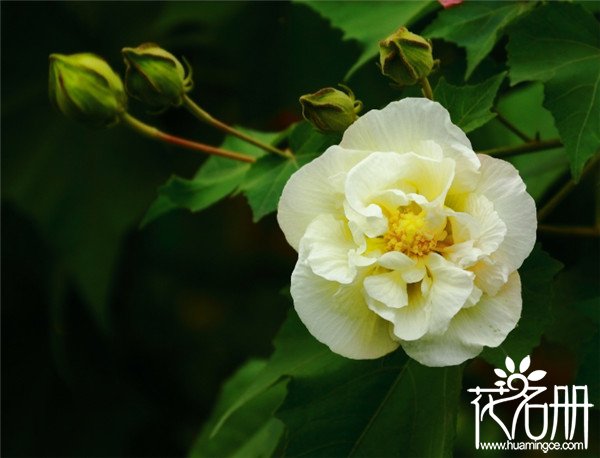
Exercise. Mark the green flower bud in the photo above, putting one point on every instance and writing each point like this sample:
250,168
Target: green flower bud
84,87
331,110
405,57
155,76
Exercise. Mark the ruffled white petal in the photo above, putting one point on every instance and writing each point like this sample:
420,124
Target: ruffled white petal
411,270
485,324
338,316
450,288
386,295
388,180
329,249
477,230
388,288
315,189
409,323
501,184
409,125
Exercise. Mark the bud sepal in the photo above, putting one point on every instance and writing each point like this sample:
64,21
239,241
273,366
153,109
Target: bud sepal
155,76
85,88
405,57
330,110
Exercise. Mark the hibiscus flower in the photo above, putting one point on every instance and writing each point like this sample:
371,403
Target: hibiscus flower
408,238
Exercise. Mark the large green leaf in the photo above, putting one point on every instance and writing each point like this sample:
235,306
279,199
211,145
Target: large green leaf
251,430
469,106
558,44
541,169
265,181
369,22
389,407
297,354
261,182
337,406
476,26
215,179
589,370
537,274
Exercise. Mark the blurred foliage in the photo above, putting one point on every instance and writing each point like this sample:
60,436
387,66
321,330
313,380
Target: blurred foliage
116,340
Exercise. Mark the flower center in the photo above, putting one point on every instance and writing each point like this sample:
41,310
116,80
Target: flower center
407,233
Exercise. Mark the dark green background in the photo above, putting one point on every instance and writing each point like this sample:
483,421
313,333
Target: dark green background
115,340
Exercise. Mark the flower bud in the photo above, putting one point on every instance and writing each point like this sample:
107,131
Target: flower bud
84,87
155,76
330,110
405,57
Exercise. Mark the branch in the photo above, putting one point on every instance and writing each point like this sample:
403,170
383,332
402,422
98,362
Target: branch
514,129
580,231
204,116
535,145
154,133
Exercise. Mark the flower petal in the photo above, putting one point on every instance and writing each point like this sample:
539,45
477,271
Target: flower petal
338,316
409,173
477,231
501,184
450,288
488,323
409,125
330,251
411,270
386,295
315,189
387,288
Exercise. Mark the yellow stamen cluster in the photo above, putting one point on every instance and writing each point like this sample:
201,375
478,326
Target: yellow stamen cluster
407,233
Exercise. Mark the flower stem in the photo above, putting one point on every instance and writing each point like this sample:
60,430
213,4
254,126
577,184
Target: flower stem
203,116
426,88
529,147
514,129
154,133
564,191
580,231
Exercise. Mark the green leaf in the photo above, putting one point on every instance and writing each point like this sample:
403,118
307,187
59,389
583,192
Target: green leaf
371,408
369,22
305,139
251,430
558,44
297,354
469,106
538,170
589,370
264,182
215,179
537,273
338,407
476,26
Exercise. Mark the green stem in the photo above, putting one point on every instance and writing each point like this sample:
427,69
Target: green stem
203,116
154,133
564,191
535,145
426,88
579,231
514,129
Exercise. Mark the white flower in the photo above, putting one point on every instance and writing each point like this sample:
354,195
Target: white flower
407,237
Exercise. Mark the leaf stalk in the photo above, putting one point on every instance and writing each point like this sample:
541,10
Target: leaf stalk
204,116
156,134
